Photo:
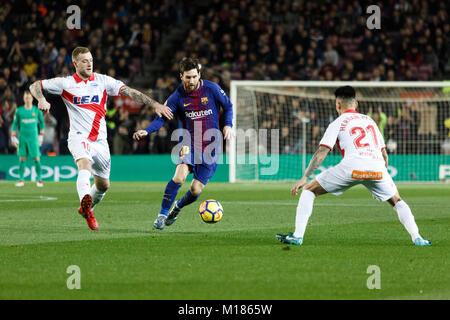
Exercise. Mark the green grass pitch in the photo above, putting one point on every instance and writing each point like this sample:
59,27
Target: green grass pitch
238,258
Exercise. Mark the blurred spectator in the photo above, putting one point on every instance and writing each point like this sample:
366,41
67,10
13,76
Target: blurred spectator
161,142
49,133
123,137
143,145
380,119
427,128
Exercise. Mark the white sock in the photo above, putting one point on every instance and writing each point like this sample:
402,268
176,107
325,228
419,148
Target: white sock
407,219
83,183
304,210
96,195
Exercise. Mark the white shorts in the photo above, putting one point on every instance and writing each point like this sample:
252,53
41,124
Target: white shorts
337,179
96,151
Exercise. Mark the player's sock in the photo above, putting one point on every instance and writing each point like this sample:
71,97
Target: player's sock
407,219
187,199
22,169
304,210
96,195
83,183
37,166
169,197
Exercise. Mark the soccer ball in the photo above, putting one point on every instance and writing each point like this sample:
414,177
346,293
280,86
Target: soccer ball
211,211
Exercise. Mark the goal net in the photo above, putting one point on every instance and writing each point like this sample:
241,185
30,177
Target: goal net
279,125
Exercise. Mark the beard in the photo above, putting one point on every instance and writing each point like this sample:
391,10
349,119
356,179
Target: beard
85,73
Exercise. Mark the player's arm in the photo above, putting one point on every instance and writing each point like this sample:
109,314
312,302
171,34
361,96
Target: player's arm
385,156
36,92
227,106
314,164
41,126
138,96
159,121
154,126
14,140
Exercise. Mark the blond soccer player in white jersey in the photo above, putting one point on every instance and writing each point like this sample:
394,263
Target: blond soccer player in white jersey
365,162
84,94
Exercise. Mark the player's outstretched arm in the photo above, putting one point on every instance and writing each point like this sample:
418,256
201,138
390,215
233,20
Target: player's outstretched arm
36,92
154,126
137,96
314,164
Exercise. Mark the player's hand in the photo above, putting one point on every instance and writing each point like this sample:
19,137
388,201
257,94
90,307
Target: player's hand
300,184
43,105
138,135
41,139
163,111
228,133
14,141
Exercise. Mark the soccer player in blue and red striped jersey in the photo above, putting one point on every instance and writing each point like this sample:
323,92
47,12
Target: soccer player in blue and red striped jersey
196,103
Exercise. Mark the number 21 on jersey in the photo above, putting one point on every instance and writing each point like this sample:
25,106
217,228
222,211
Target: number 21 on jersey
361,134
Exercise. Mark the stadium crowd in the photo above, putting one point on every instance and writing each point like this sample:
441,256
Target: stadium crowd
256,40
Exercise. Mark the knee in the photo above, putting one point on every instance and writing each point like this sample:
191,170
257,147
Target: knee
83,164
310,187
179,180
196,190
394,200
103,186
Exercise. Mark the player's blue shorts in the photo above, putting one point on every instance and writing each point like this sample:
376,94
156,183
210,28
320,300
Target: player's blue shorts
202,171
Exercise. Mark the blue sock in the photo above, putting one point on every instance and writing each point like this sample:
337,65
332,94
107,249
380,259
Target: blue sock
169,197
187,199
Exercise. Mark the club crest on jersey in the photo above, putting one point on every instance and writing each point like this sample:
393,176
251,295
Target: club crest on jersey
204,101
85,99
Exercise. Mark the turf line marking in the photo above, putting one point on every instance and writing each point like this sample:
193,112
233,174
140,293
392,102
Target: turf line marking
41,198
263,203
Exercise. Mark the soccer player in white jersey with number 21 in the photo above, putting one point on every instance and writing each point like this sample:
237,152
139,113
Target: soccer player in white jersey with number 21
365,162
84,94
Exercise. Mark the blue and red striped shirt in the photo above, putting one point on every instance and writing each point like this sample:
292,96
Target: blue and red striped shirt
198,111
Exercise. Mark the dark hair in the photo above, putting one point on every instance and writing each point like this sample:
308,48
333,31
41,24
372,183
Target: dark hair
187,64
345,92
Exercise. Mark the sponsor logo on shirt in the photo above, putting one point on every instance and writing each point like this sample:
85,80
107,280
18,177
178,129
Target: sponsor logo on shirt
193,115
28,120
85,99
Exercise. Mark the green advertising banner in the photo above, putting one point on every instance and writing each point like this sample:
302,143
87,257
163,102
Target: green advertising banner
282,167
123,168
289,167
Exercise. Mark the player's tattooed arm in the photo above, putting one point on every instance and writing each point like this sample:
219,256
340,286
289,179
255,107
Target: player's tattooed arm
36,92
314,164
137,96
146,100
316,160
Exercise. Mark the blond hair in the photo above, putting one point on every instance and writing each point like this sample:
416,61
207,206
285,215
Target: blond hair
77,51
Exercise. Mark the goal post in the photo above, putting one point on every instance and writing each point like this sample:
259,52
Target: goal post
278,126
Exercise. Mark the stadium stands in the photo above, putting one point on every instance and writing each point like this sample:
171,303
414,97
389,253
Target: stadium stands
257,40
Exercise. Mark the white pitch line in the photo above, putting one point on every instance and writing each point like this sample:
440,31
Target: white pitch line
263,203
41,198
